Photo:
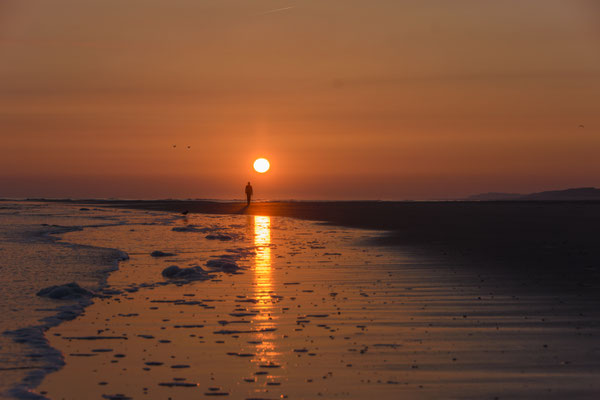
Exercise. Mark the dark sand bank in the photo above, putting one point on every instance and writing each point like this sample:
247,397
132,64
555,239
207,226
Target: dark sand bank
553,244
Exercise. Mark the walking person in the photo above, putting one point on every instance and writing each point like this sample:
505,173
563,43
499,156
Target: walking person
249,193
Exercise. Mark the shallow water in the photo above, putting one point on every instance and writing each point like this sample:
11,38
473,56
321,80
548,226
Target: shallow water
32,259
315,313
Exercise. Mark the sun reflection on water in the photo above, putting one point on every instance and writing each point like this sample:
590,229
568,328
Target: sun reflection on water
262,241
263,287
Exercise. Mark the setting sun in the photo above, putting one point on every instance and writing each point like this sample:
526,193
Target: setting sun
261,165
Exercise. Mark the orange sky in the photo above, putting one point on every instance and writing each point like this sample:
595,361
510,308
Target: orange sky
348,99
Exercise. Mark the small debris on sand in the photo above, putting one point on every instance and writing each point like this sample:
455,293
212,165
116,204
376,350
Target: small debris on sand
177,384
243,314
231,332
270,365
188,326
191,228
240,354
95,337
223,265
220,237
158,253
390,345
65,292
300,350
192,273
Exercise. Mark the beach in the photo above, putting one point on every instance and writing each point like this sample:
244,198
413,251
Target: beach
550,246
315,310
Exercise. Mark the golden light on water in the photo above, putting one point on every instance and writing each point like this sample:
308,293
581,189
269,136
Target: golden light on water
262,165
262,262
262,231
263,286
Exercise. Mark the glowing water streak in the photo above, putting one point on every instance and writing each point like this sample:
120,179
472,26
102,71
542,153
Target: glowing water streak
263,286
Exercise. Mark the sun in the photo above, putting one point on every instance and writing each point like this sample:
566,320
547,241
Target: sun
261,165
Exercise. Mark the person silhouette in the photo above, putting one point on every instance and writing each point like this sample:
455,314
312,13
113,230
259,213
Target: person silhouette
249,193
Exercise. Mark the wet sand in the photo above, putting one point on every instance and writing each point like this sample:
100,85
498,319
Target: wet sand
31,259
547,246
316,312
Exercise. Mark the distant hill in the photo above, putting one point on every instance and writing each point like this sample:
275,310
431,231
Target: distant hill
494,196
586,193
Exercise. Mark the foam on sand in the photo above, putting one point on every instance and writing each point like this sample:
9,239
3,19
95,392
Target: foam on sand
35,257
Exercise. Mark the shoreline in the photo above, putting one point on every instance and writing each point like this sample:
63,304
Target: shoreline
537,241
34,336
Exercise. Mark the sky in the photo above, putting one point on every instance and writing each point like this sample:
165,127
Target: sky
348,99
